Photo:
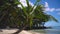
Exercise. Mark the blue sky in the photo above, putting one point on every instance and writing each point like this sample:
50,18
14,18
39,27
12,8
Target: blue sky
54,5
52,8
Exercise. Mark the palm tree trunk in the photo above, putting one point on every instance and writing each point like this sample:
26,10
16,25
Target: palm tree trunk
20,29
23,27
43,25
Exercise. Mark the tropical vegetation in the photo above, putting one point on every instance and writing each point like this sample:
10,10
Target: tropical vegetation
12,15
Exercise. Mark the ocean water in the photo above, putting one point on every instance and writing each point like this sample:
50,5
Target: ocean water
53,30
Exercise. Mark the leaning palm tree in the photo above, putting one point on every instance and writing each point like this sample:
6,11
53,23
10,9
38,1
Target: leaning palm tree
29,14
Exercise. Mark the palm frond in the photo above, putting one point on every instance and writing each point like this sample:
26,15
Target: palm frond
24,9
33,8
52,18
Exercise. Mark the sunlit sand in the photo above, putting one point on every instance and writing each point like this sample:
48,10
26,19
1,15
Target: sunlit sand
6,31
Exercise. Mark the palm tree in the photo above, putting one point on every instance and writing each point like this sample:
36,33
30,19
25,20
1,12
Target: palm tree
29,14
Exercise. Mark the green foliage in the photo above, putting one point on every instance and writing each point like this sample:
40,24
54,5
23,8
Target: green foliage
11,14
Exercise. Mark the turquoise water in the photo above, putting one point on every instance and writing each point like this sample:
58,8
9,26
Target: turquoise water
54,30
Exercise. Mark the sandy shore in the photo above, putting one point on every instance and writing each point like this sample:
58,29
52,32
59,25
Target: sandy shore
6,31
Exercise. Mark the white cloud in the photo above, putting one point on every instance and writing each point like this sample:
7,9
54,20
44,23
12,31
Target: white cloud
24,3
47,8
46,4
58,9
52,9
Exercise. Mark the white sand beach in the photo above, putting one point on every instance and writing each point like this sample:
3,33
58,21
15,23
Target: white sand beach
6,31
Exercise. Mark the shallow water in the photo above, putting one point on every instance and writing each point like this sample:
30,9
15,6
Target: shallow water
54,30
